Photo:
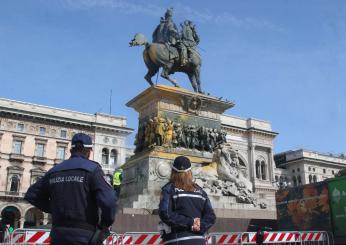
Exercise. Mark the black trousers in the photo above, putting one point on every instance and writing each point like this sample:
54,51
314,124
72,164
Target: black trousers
117,189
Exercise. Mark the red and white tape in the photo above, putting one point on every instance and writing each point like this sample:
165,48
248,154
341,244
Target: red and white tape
250,237
140,239
281,237
42,237
31,237
227,238
312,236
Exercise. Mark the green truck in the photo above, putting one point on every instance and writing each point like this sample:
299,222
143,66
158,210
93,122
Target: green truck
318,206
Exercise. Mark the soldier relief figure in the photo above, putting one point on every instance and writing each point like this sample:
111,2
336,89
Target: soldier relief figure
172,50
159,131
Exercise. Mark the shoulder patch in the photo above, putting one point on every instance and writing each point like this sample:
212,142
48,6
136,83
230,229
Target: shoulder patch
177,189
106,179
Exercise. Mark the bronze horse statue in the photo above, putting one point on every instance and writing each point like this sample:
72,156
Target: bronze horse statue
158,55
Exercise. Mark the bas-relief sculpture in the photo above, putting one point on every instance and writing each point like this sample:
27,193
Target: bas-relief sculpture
159,131
226,175
172,50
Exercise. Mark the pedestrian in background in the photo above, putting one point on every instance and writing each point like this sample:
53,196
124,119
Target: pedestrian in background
117,179
76,193
185,209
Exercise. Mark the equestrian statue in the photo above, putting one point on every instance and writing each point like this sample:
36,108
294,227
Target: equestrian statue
172,50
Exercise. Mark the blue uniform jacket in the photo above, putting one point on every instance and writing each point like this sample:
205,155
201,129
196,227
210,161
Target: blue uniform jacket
73,192
178,208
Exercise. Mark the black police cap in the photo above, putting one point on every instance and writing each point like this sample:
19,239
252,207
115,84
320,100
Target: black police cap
83,139
181,164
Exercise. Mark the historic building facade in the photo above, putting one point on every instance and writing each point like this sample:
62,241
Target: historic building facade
33,138
299,167
253,139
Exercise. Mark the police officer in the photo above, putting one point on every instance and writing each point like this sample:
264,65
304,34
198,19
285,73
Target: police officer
77,195
117,178
184,208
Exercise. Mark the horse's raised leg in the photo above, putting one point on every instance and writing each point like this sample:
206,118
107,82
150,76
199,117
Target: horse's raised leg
165,74
151,72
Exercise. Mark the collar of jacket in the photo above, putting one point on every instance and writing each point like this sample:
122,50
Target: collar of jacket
78,155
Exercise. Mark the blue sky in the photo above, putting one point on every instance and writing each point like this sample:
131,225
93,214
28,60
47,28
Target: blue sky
281,61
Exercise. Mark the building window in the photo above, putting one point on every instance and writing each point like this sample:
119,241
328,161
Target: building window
63,133
310,179
114,156
17,147
263,170
309,168
298,169
299,180
315,179
105,156
20,127
277,178
14,183
258,170
314,169
324,170
60,152
294,181
293,170
39,150
42,131
332,171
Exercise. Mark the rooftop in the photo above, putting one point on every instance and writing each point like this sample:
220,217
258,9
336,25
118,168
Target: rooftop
63,115
291,155
246,123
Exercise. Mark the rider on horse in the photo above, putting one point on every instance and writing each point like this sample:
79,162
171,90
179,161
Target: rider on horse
189,39
167,33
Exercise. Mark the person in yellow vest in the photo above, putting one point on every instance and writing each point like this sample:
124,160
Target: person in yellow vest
117,178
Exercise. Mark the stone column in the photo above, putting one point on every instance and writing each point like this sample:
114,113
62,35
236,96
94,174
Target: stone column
21,222
45,218
271,165
252,164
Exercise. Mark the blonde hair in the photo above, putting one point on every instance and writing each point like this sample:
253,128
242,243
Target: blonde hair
183,180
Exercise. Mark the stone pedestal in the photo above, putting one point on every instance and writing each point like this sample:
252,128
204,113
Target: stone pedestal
179,105
150,168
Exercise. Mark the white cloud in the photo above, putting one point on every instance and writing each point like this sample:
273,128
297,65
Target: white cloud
180,10
224,18
123,6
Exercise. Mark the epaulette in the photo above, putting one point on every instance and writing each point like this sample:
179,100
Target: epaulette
96,163
167,186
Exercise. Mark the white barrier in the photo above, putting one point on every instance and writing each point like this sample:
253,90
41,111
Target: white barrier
273,237
41,236
140,238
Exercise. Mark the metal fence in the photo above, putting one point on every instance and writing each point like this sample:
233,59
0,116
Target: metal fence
41,236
